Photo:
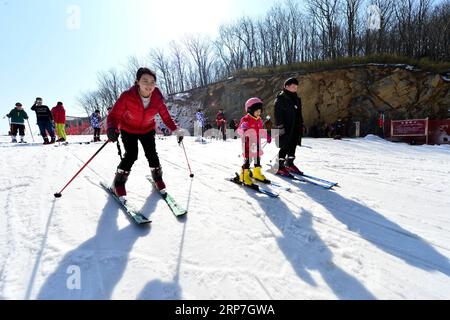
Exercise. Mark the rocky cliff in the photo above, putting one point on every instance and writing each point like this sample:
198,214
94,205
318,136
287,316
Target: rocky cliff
352,93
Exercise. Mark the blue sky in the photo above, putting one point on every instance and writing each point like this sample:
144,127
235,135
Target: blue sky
46,51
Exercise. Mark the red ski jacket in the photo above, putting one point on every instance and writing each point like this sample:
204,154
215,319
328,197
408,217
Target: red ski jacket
251,130
129,114
220,120
59,114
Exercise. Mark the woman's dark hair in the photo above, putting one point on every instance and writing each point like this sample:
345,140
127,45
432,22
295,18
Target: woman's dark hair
143,71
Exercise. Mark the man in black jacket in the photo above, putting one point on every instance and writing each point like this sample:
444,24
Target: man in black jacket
289,122
44,120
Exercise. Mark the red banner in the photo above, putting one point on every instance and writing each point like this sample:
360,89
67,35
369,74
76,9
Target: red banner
405,128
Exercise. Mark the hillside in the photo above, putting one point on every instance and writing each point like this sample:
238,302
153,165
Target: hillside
352,93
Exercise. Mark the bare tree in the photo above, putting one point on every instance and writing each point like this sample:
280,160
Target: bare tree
179,61
438,31
352,25
245,32
132,65
162,64
327,13
199,48
287,34
229,48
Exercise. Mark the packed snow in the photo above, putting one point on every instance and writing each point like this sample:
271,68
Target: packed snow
384,233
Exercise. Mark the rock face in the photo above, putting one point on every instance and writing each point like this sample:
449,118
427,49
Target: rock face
354,93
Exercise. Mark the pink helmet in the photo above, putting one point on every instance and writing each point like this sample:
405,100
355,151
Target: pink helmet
252,101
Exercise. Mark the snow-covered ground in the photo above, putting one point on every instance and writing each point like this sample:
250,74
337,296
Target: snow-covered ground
383,234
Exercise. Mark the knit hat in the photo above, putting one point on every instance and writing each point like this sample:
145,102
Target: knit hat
290,81
18,104
253,104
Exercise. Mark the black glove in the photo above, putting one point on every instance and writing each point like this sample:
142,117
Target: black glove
113,134
180,138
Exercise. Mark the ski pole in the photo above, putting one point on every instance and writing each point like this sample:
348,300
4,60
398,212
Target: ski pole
187,160
30,130
58,194
274,158
10,129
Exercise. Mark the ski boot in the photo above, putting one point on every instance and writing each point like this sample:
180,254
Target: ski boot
291,167
245,178
257,175
157,178
282,170
118,186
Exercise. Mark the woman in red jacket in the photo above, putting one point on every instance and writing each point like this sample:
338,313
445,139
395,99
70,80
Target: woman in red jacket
133,116
59,116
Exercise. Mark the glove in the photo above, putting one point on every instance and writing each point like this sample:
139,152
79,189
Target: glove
179,134
281,130
269,138
113,134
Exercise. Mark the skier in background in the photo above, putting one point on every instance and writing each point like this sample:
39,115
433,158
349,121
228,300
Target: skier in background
44,120
59,115
221,123
233,126
199,125
250,129
96,121
381,124
18,117
338,129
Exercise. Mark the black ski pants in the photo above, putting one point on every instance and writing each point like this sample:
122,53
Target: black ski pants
130,143
17,127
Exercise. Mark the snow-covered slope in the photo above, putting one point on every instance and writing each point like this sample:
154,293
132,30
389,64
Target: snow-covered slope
384,234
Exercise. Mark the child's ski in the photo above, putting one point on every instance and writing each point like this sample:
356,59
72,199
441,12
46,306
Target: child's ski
255,187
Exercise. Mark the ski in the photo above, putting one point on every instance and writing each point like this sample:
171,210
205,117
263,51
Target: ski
274,184
254,187
320,180
61,144
309,179
176,209
269,182
132,213
314,182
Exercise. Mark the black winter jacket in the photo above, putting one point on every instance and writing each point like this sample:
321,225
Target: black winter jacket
43,113
288,117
